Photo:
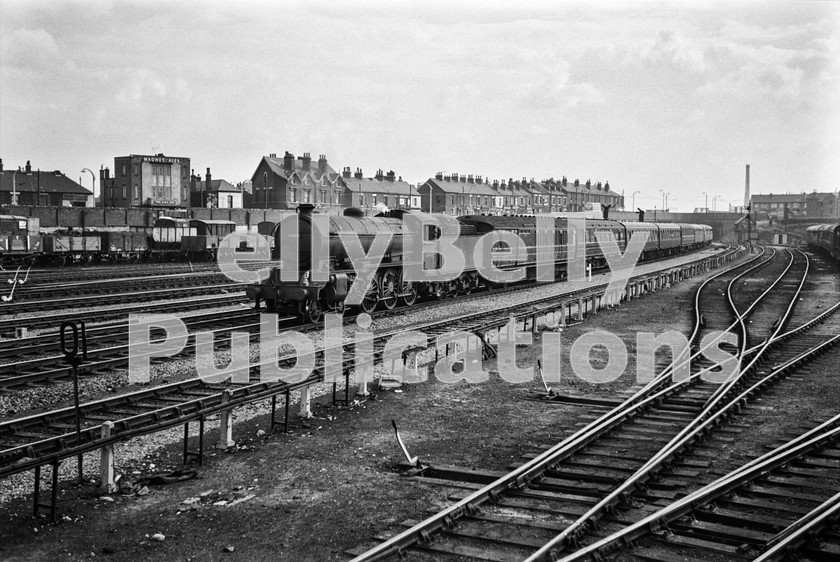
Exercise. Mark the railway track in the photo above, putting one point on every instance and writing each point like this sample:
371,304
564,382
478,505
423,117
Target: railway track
47,438
551,504
53,320
81,274
780,506
128,296
24,373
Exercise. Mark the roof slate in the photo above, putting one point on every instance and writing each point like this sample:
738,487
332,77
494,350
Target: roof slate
51,182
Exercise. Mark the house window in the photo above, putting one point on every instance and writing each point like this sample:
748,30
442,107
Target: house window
184,193
136,169
123,170
361,200
373,199
230,201
136,191
337,198
323,196
123,192
292,195
384,199
307,196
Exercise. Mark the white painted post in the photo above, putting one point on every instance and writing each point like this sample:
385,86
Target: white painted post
226,424
306,401
106,461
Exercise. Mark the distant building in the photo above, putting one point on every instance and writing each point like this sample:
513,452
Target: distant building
41,189
146,181
382,192
285,183
456,194
221,194
586,196
794,205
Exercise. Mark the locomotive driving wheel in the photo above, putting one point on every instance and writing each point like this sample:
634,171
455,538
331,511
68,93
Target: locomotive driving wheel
311,311
371,298
409,291
390,282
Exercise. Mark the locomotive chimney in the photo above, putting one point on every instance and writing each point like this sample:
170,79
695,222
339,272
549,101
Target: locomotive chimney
305,208
747,188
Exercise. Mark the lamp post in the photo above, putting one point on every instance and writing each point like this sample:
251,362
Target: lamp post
706,208
714,202
14,187
92,180
633,200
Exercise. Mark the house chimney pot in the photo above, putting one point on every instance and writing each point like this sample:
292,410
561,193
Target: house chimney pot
322,162
391,176
346,172
306,161
288,160
439,176
28,167
358,174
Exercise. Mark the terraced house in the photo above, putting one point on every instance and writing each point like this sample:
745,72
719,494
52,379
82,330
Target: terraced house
285,183
383,192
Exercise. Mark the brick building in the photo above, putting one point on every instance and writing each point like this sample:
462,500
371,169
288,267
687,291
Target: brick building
36,188
459,195
220,195
285,183
795,205
382,192
146,181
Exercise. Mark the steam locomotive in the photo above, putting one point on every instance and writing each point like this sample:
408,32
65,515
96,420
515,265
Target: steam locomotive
310,299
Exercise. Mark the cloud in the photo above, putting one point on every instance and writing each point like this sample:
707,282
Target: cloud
141,82
30,50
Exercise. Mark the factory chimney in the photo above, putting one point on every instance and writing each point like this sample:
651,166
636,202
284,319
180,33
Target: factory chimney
747,188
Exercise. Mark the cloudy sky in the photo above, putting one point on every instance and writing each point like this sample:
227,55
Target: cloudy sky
650,96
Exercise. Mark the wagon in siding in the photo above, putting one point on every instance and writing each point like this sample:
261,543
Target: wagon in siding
204,243
20,243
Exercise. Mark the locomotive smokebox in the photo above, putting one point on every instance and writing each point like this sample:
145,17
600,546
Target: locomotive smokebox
305,208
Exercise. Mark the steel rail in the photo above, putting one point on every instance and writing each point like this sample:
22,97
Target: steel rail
531,469
677,443
27,306
821,435
782,545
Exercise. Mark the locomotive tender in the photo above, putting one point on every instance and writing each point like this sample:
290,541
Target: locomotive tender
310,298
825,237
